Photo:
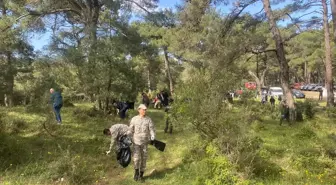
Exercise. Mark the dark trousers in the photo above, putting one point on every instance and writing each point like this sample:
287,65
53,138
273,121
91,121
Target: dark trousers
122,114
57,110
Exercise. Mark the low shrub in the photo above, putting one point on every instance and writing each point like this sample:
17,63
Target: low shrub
71,168
85,113
13,126
305,133
331,112
67,103
308,108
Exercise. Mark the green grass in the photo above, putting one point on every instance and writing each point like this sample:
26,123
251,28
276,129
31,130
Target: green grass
74,153
300,150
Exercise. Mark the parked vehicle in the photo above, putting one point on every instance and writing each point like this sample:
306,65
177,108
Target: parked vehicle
298,93
275,91
311,87
317,87
304,87
296,86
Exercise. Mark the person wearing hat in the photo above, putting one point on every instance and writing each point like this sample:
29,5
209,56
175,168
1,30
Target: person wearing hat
142,129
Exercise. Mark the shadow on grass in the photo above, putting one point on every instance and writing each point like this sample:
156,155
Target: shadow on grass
160,174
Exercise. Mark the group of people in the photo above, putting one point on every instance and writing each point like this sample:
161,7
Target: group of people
141,132
264,99
160,100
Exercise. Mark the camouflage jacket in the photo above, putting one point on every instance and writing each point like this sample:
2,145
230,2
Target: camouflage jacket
142,129
117,131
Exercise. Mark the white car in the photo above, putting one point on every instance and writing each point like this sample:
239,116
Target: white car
275,91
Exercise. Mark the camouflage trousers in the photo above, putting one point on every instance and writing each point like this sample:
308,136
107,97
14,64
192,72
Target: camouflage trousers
140,156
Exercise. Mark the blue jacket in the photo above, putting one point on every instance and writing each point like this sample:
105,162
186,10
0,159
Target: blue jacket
57,99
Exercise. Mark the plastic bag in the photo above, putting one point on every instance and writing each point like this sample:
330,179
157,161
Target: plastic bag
124,151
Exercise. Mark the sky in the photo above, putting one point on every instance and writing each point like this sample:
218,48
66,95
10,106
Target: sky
39,40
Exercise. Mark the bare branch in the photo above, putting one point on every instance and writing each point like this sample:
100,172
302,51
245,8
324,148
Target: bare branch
262,51
252,74
299,28
138,5
40,14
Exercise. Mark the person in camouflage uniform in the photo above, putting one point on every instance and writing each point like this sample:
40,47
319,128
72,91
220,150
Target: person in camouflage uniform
142,129
116,132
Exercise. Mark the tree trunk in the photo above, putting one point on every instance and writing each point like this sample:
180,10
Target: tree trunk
284,69
329,77
306,72
167,66
10,80
100,106
9,71
107,100
148,81
259,80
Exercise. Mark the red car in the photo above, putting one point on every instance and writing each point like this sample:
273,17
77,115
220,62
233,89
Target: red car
296,86
250,85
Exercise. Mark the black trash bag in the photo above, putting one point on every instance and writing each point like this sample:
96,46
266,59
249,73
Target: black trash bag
158,145
124,151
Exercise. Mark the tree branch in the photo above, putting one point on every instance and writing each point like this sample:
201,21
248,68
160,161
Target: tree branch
24,70
41,14
252,74
299,28
138,5
262,51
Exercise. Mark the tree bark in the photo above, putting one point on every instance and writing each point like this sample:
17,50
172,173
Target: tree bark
259,80
280,52
306,72
167,66
148,81
9,72
329,77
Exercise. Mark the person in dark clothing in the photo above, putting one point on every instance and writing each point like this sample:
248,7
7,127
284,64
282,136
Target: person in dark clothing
284,112
272,100
164,98
145,99
57,102
263,99
320,93
279,98
229,97
122,107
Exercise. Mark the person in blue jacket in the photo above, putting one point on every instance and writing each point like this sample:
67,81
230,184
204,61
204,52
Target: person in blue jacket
57,103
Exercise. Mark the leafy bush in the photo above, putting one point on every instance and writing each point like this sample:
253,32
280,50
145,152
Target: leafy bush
71,168
216,122
247,95
37,108
13,126
213,168
308,108
11,152
84,114
67,103
331,112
